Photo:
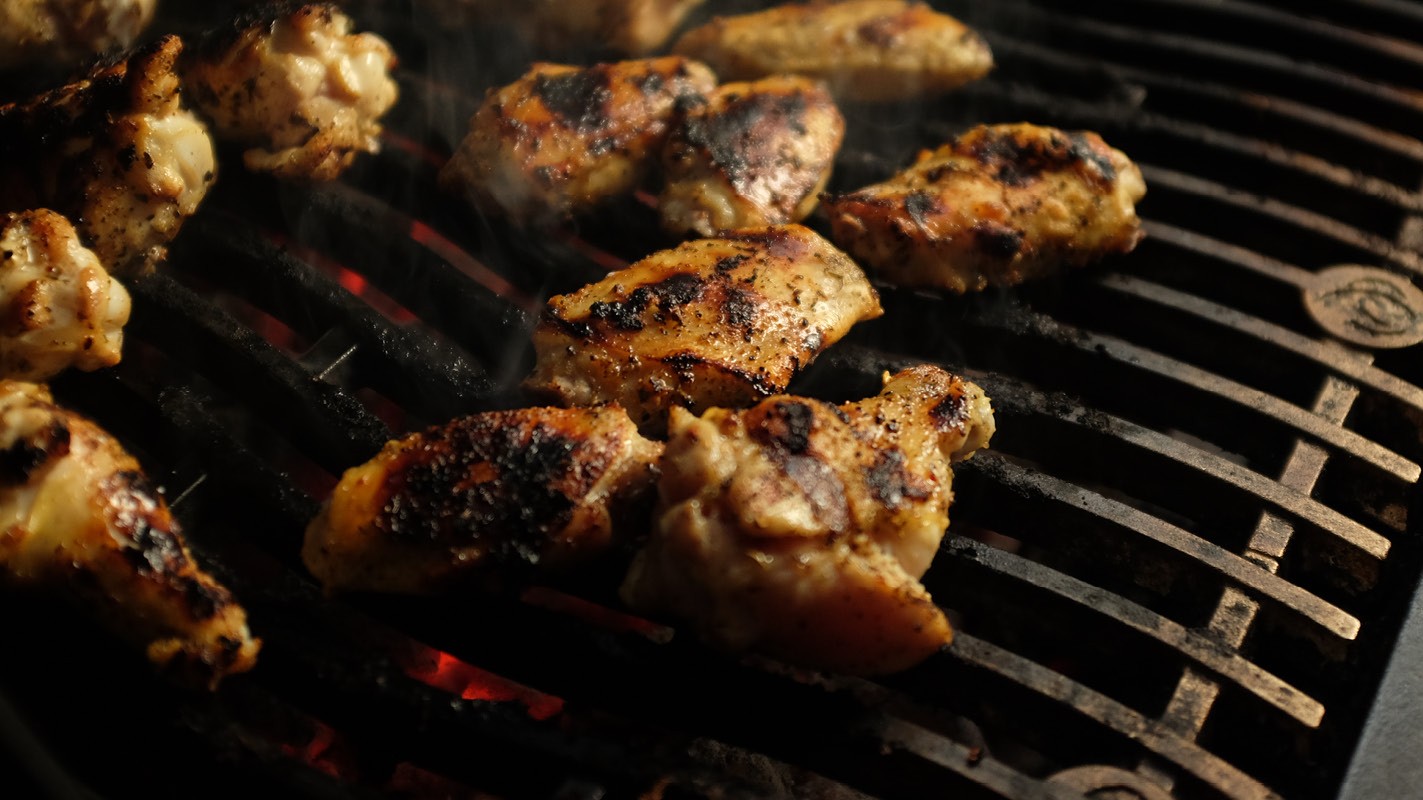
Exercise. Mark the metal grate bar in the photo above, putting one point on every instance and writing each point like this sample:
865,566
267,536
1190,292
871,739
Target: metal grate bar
1204,651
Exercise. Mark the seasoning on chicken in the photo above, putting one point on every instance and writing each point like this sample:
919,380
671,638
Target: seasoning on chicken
65,32
483,498
723,321
78,516
801,529
116,153
756,154
58,307
867,50
294,84
1000,205
561,139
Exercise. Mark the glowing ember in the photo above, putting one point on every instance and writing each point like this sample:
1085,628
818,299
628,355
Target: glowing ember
322,752
352,281
409,780
449,674
593,253
594,614
435,242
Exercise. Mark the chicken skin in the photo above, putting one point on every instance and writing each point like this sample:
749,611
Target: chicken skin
999,205
867,50
482,499
624,27
756,154
722,321
561,140
58,307
294,84
78,516
801,529
116,153
65,32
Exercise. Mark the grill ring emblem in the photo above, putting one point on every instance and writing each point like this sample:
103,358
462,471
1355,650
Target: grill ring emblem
1366,306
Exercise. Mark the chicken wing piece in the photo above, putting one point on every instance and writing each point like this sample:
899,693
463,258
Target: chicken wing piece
801,529
294,84
482,498
115,152
58,307
65,32
562,139
78,516
867,50
1000,205
756,154
723,321
624,27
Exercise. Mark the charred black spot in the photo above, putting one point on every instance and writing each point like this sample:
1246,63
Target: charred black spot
1017,161
997,240
919,204
20,460
724,265
890,483
950,412
624,314
579,99
651,83
1083,150
788,426
202,600
739,307
679,289
741,138
128,156
578,330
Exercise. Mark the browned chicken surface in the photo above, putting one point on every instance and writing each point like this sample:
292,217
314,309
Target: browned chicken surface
65,32
562,139
58,306
297,86
78,517
624,27
722,321
868,50
999,205
482,499
116,153
755,154
801,529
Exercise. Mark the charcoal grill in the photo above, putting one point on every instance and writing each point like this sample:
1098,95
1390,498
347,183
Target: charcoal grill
1188,567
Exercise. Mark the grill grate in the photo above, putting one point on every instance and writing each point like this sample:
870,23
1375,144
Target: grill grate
1180,570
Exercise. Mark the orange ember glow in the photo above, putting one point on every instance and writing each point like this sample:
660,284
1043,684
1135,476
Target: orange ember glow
350,280
593,253
320,752
449,674
594,614
457,257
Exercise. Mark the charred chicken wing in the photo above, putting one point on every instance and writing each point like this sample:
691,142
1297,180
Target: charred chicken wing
868,50
483,497
723,321
297,86
801,529
1000,205
625,27
58,307
78,516
562,139
116,153
64,32
756,154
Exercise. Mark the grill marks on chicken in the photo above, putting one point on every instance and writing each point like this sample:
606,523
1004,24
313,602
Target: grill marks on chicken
484,498
296,85
58,307
77,515
755,154
64,32
115,152
561,140
999,205
867,50
800,529
722,321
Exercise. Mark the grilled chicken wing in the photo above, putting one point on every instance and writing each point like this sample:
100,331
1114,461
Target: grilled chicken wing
296,85
868,50
562,139
756,154
58,307
625,27
64,32
77,514
483,495
1000,205
801,529
713,322
115,152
